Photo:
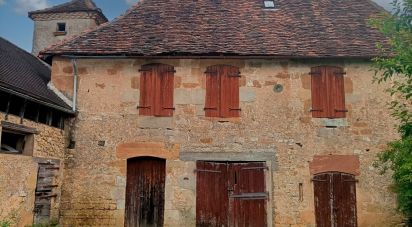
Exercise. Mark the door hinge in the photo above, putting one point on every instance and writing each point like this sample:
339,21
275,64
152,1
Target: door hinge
344,111
207,171
144,107
254,168
315,110
315,73
234,74
210,72
313,179
250,196
340,73
210,108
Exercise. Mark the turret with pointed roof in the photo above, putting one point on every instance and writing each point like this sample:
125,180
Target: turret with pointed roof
61,21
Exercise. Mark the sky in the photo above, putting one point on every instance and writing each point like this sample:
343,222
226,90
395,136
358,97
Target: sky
16,27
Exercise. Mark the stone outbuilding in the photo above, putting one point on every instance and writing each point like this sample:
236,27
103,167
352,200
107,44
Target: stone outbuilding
33,138
226,113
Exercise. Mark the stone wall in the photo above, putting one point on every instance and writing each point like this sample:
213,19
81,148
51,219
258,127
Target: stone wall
18,173
108,130
45,27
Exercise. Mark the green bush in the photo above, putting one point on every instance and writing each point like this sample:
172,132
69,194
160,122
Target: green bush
398,158
52,223
5,224
395,66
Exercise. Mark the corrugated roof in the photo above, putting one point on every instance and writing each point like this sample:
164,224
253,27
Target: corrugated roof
72,6
25,74
296,28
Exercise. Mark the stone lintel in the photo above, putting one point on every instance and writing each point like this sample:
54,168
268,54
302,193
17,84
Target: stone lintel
335,163
228,156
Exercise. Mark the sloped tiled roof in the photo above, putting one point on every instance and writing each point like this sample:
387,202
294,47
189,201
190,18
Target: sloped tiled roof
27,75
296,28
72,6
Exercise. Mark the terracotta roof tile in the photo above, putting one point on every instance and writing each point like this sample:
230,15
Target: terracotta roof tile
296,28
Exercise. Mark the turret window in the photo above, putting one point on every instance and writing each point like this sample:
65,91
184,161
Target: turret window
61,27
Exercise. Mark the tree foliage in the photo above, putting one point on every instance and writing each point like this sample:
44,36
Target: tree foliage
395,67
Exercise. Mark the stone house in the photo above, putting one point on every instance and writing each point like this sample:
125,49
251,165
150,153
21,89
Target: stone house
32,137
226,113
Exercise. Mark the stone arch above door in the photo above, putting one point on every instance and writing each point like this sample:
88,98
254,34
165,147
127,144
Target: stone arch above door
143,149
335,163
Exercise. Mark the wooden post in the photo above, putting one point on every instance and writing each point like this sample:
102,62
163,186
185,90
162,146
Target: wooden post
22,111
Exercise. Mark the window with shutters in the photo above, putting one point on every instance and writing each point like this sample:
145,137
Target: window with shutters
156,90
328,93
222,91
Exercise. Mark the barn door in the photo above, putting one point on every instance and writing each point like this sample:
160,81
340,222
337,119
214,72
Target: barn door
145,192
335,200
247,194
212,195
231,194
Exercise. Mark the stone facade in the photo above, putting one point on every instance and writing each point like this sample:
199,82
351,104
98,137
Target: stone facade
275,126
18,176
45,27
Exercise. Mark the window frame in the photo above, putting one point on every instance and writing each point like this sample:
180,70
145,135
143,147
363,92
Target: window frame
59,24
26,132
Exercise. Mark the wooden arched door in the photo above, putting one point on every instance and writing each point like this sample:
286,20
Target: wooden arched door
145,189
335,199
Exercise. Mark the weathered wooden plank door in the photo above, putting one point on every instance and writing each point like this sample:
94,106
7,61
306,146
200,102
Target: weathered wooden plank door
335,200
212,195
145,192
247,194
45,190
231,194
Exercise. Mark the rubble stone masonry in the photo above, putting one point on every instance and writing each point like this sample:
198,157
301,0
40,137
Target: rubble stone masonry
18,173
272,122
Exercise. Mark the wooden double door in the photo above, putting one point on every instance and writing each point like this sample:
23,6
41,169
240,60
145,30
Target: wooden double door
145,189
231,194
335,200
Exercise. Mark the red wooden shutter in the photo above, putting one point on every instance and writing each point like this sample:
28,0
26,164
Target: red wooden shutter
146,104
319,92
336,92
231,92
166,84
212,105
